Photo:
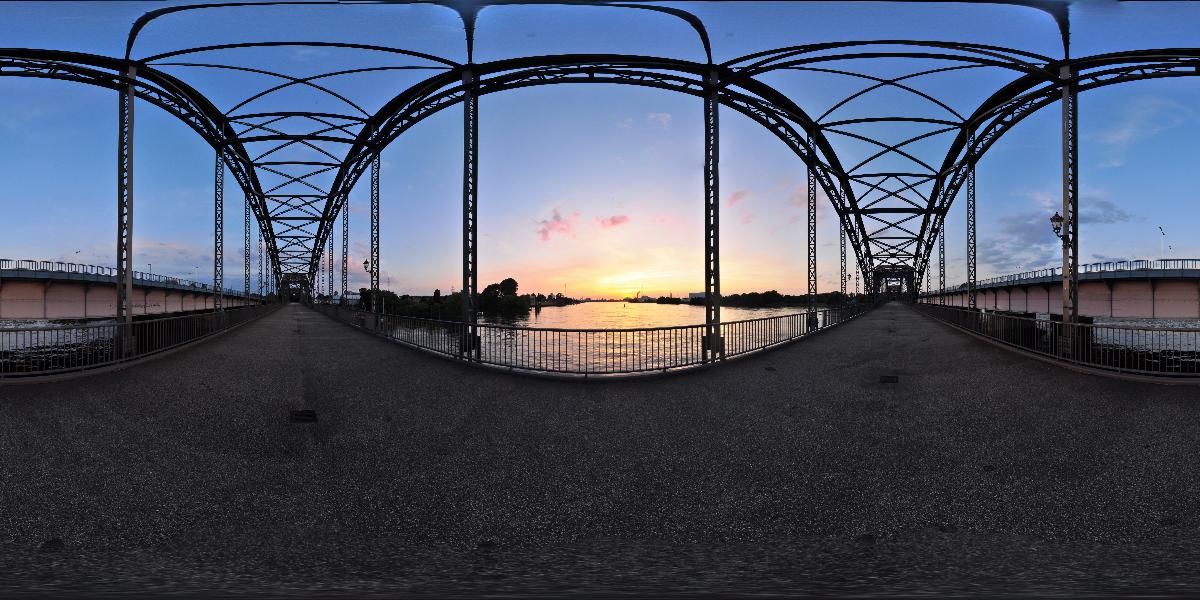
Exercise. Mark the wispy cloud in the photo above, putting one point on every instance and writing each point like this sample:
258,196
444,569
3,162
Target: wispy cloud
1144,117
1095,210
736,197
1024,240
613,221
306,54
556,224
19,115
659,120
799,199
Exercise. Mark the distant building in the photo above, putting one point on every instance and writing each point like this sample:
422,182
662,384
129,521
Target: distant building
697,295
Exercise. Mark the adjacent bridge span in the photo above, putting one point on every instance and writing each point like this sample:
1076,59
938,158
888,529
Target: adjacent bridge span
34,289
1152,289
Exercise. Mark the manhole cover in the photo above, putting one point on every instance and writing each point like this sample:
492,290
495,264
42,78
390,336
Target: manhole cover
303,416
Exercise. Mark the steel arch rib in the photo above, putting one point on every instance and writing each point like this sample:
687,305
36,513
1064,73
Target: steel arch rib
1020,98
441,91
151,85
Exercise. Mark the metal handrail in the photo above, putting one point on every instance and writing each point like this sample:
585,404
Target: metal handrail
30,352
1156,351
11,264
1099,267
591,352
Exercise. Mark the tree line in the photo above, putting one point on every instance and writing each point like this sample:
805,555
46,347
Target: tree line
499,299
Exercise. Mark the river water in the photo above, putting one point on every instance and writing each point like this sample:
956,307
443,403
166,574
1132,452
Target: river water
629,315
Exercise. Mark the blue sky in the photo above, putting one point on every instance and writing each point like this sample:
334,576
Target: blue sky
595,189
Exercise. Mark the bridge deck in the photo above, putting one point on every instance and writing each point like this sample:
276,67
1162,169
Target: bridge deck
796,469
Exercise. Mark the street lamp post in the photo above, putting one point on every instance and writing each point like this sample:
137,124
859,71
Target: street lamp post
367,267
1056,223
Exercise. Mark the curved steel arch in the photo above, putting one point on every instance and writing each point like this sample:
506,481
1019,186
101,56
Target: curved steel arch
1023,97
760,109
738,89
155,87
291,212
894,240
763,104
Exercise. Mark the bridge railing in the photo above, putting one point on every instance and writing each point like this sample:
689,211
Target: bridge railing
31,351
1157,351
1167,264
593,352
48,266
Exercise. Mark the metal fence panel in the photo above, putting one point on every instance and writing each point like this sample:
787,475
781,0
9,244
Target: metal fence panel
1158,351
589,352
37,351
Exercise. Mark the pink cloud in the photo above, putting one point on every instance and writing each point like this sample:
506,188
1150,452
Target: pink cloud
747,217
613,221
737,196
556,224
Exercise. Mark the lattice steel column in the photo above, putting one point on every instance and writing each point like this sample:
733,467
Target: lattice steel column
812,229
330,268
345,246
971,274
842,252
469,346
219,237
125,212
942,263
260,265
246,253
714,346
1070,198
375,167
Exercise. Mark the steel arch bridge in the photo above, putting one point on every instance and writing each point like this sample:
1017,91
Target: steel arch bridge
296,168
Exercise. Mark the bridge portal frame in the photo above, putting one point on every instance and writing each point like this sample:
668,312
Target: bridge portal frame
1043,79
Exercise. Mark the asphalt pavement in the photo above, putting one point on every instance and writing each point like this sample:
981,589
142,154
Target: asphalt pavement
796,471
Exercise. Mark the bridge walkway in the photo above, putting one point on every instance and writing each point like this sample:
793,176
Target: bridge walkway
793,470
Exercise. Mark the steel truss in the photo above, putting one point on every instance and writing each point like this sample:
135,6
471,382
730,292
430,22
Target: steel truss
1070,198
941,266
345,247
1030,93
842,255
714,342
971,231
469,346
125,211
375,167
246,251
889,218
812,234
219,236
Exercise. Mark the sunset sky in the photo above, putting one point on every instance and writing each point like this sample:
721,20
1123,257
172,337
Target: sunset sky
595,190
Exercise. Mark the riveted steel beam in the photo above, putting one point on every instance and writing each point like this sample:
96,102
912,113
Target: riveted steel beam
714,343
375,167
345,247
1070,198
972,275
219,236
469,343
125,213
812,232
